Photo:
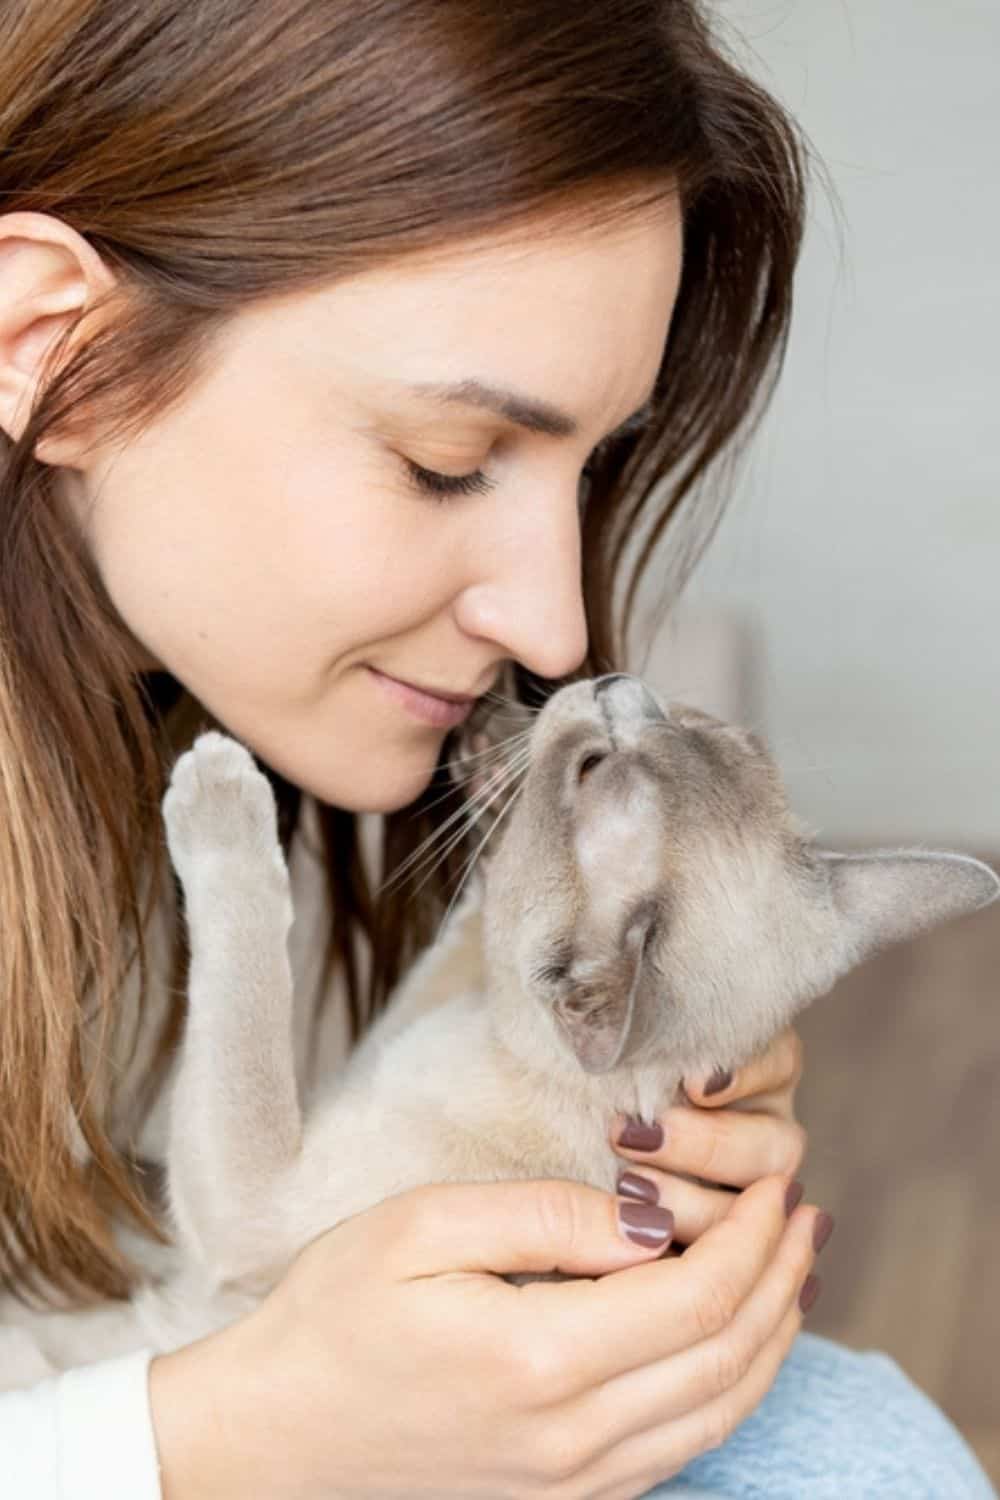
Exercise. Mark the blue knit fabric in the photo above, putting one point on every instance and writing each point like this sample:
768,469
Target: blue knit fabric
837,1425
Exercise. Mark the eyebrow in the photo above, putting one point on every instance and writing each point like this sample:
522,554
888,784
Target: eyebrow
524,411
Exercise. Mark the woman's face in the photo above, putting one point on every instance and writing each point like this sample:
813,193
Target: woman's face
266,542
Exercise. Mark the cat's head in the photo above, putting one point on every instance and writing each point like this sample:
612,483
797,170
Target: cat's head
649,890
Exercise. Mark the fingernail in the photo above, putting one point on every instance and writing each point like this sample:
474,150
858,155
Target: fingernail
720,1079
645,1224
631,1185
793,1197
811,1288
639,1137
822,1230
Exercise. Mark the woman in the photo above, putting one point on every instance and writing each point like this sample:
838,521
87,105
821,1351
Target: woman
341,346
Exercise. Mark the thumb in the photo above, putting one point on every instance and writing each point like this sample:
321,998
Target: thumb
546,1224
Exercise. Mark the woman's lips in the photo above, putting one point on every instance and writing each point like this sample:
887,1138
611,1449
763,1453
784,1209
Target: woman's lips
427,707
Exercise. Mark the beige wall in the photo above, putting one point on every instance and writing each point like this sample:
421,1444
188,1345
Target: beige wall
864,538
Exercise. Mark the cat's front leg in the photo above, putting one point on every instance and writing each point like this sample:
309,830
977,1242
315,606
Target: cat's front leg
235,1129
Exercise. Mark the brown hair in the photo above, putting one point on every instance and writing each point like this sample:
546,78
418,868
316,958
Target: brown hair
218,153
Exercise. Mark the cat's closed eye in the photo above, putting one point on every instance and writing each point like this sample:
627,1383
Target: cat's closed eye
554,971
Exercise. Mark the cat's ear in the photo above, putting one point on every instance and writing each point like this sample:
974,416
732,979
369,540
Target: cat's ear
886,895
600,1009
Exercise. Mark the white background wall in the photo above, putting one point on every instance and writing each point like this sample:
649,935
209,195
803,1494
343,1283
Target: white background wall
863,538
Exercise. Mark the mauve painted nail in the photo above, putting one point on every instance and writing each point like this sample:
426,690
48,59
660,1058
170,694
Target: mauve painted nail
645,1224
822,1230
793,1197
631,1185
720,1079
811,1288
639,1137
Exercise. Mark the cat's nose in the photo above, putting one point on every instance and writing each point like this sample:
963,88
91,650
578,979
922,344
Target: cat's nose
641,692
601,684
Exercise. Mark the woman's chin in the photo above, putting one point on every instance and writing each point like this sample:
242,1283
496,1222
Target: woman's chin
377,784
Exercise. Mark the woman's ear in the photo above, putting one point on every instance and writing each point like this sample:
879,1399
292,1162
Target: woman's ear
49,275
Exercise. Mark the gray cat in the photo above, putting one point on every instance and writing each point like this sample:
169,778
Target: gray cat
650,909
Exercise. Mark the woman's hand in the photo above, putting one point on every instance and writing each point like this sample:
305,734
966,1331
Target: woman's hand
390,1362
725,1147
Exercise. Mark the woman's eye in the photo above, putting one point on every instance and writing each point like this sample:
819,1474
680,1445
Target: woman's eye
443,485
476,483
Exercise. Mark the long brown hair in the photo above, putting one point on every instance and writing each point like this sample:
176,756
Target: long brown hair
217,153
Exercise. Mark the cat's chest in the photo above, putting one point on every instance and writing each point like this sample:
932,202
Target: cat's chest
479,1114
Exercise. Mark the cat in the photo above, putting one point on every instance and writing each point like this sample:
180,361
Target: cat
650,909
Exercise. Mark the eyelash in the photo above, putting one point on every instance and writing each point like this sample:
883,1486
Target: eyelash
446,486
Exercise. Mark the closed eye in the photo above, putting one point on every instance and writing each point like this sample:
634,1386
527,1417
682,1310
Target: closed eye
553,972
429,481
444,485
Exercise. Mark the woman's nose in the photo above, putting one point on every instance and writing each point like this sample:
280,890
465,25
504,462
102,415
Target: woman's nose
528,597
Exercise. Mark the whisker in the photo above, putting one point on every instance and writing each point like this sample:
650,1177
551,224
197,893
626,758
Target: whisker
499,746
513,798
434,835
455,777
471,822
494,747
459,814
415,853
511,708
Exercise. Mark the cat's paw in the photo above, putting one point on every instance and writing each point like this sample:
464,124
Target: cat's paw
220,807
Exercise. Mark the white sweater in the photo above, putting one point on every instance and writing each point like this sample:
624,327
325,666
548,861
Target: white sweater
84,1435
88,1434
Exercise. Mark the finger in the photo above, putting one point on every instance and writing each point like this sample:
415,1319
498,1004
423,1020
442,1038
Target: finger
695,1207
734,1148
513,1226
779,1069
648,1458
690,1380
646,1312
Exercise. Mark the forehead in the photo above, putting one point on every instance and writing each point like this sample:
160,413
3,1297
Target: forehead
723,782
576,318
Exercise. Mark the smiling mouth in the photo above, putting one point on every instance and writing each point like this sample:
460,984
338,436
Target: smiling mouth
436,693
431,708
430,692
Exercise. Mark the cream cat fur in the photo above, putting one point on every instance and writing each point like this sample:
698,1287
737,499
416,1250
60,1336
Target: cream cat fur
650,909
